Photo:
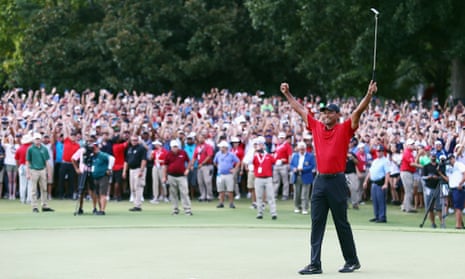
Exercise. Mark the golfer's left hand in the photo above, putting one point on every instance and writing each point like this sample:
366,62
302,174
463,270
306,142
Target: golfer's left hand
284,88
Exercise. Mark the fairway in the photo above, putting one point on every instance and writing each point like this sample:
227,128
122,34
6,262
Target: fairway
214,243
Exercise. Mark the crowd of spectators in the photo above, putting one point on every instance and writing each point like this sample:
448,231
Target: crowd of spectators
217,115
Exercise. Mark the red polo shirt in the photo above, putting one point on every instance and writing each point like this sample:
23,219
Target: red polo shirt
176,162
283,152
119,150
20,155
69,148
159,156
407,159
361,160
239,152
263,165
331,146
202,151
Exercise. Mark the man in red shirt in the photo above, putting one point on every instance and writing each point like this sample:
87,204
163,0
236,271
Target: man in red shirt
407,169
20,157
283,154
70,146
203,155
238,149
119,150
331,142
158,156
263,170
175,174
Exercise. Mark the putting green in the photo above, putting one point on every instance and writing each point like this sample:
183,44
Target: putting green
211,244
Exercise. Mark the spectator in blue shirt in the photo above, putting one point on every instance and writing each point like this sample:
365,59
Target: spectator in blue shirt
378,175
302,166
227,164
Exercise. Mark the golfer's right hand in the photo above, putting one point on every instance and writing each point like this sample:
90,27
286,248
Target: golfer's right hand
372,88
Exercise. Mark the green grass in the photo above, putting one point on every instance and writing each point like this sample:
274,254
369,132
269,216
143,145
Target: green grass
214,243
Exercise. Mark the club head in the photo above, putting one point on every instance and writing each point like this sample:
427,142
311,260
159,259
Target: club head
375,11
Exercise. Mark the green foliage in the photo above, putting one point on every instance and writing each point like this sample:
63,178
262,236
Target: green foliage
191,45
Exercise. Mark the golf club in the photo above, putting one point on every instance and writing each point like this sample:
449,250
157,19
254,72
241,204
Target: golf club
376,37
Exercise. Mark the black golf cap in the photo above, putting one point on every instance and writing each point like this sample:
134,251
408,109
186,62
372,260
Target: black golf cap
330,107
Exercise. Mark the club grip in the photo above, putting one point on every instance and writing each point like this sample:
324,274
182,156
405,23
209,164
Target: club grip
373,76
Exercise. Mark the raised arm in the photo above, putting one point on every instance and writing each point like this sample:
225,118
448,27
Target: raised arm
299,108
355,118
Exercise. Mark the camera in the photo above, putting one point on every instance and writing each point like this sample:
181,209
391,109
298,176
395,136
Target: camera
88,155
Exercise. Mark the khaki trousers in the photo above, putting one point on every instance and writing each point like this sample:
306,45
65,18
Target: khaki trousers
178,187
137,185
265,185
38,177
281,173
205,181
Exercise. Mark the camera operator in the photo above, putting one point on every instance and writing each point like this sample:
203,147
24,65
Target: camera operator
431,174
82,162
102,163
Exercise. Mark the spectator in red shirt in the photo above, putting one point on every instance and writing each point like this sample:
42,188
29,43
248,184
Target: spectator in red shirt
20,157
238,149
70,146
175,174
158,156
119,149
203,155
283,153
263,170
331,139
407,169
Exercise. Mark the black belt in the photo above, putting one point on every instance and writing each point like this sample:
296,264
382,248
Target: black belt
329,175
175,175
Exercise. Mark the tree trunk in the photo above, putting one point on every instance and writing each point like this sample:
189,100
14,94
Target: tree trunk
457,83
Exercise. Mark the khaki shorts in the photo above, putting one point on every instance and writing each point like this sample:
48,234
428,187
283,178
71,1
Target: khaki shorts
101,185
225,183
250,180
10,168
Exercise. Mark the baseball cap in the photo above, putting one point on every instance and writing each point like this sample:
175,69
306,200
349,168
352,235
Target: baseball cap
330,107
282,135
410,142
223,144
26,139
235,139
260,140
191,135
301,144
37,136
157,142
174,143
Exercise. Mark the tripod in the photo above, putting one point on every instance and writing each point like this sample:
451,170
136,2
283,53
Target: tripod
81,187
440,192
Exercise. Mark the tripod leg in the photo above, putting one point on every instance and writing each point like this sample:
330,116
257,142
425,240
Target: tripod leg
81,186
430,205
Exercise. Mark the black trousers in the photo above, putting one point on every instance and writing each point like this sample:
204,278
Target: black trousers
331,193
66,169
